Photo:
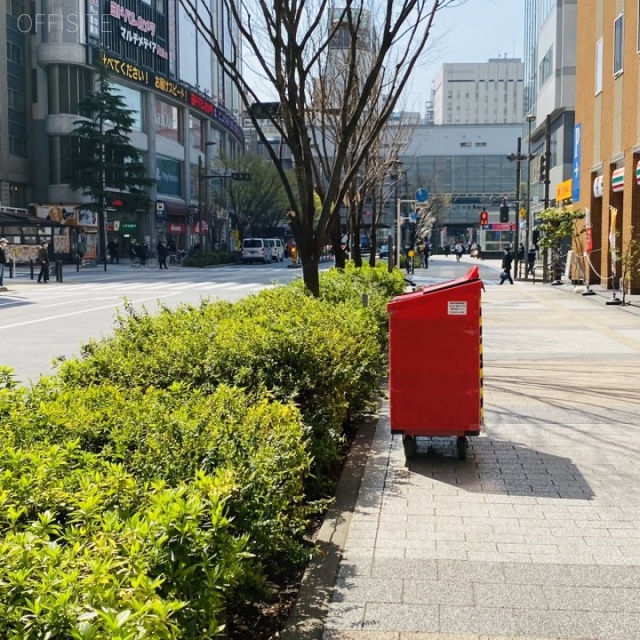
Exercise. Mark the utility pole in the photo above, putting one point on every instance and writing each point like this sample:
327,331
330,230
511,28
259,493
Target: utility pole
519,158
547,158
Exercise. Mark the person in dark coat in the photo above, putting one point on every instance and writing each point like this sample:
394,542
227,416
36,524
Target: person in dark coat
3,259
507,260
162,254
531,258
142,252
45,263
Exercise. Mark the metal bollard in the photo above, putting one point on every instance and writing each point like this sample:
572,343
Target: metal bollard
78,261
12,268
58,270
31,268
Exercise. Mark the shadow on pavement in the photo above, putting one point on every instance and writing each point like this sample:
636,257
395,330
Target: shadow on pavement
500,467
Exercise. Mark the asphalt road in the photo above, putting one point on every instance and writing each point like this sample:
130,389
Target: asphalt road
39,322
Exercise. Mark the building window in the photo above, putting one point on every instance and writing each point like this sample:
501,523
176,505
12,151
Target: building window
196,128
17,195
546,67
15,8
168,121
134,102
599,66
618,44
15,53
70,86
16,100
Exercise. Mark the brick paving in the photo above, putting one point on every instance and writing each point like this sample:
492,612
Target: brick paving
536,536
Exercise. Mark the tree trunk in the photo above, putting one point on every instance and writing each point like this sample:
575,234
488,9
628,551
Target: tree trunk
356,251
336,243
311,275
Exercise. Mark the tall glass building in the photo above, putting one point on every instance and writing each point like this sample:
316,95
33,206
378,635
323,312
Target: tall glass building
185,108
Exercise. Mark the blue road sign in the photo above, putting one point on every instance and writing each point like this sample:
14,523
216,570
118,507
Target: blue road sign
422,195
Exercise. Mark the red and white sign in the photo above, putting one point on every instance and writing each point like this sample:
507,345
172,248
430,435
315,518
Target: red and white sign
176,227
502,226
200,227
588,235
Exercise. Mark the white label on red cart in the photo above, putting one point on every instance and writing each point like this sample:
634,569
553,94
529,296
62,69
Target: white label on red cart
457,308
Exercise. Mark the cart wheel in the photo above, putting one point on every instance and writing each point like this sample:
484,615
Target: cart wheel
409,443
462,443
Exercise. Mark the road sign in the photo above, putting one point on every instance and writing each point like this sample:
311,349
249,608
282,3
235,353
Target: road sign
523,213
413,217
422,195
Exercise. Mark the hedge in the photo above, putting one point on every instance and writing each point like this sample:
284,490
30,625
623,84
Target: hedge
167,470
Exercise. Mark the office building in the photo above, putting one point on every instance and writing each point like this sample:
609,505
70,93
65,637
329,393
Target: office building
549,97
478,92
185,109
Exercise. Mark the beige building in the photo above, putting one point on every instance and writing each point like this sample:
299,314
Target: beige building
479,92
607,142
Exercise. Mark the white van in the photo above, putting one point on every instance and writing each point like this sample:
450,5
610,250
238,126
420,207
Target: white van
277,249
256,250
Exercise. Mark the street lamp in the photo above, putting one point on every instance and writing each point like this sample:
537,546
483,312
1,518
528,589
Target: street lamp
530,118
396,175
518,158
201,177
242,176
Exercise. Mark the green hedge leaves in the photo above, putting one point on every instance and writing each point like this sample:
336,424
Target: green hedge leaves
173,467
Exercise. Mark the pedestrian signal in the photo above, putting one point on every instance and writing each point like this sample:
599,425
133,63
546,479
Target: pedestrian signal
484,218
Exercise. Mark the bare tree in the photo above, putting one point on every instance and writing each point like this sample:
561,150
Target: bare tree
291,40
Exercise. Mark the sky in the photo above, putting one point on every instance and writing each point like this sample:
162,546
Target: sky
472,32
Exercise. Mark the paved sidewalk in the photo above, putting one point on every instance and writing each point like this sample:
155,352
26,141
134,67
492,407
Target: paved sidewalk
536,535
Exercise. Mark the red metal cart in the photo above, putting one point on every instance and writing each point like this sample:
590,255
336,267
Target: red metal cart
435,362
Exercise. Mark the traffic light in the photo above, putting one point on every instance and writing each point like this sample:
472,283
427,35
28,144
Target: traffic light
241,175
504,211
543,168
484,218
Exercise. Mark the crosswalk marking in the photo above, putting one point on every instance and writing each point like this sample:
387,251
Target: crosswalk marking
96,288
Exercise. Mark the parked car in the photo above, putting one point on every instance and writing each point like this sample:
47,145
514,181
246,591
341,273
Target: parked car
277,249
384,251
256,250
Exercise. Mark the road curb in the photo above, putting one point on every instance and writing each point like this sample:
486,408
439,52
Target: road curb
316,588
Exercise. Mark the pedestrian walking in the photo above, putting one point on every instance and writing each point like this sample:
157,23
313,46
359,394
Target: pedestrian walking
81,249
3,260
531,258
458,250
44,261
479,251
162,254
111,250
507,260
447,250
425,255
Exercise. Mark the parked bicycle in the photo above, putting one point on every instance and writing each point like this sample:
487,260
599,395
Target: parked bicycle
176,258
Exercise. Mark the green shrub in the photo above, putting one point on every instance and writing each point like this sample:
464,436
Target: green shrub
324,357
88,553
172,434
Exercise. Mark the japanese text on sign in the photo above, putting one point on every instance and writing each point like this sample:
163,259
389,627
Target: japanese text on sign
457,308
129,17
